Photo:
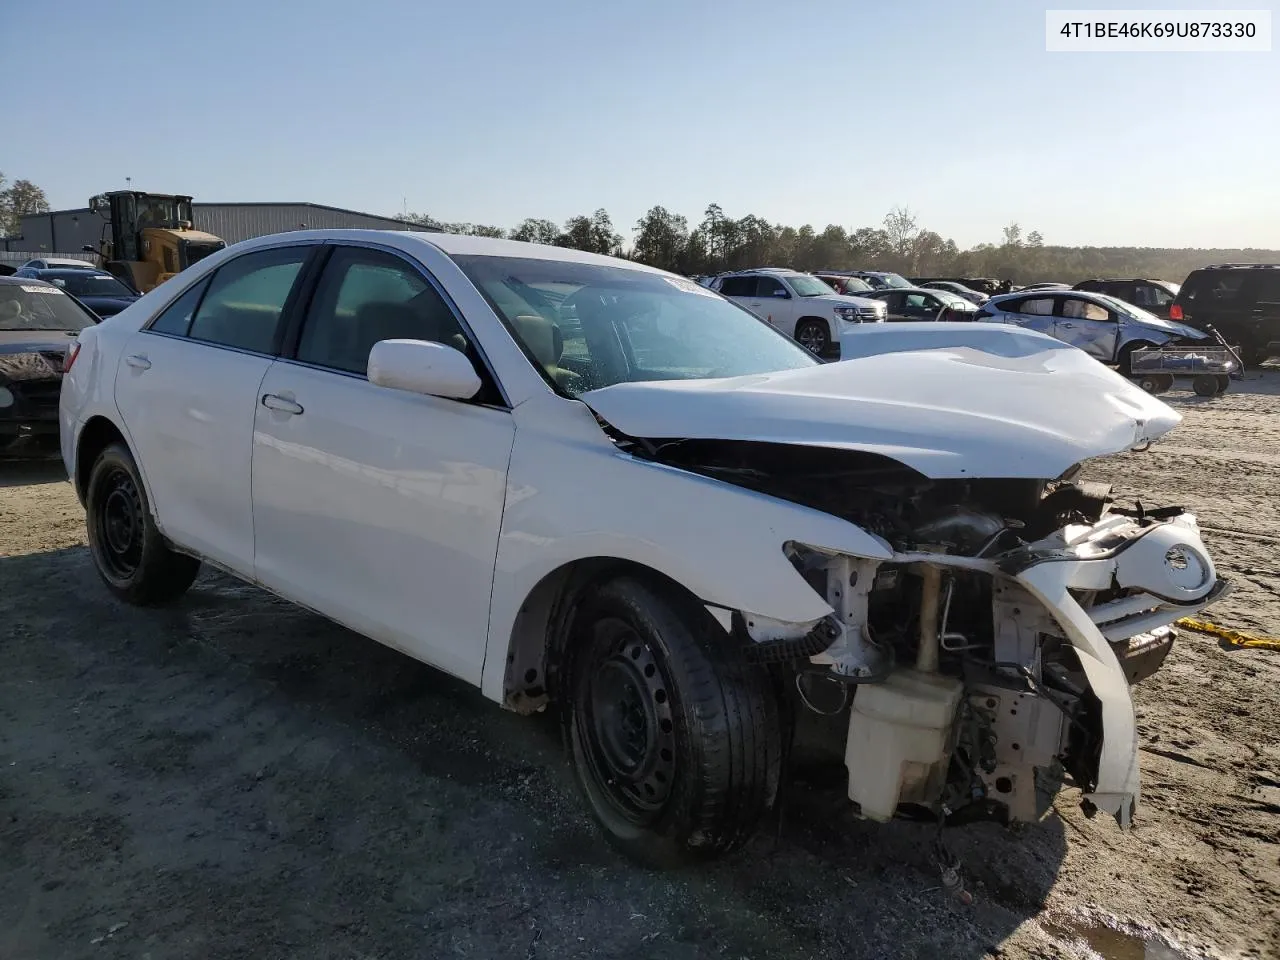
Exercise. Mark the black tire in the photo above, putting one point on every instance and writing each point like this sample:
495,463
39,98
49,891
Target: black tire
1205,385
127,548
1224,382
1156,382
815,336
676,741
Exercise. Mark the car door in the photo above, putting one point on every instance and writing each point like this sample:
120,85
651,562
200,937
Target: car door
742,291
1088,325
775,303
380,508
186,388
1034,313
1265,312
893,305
920,306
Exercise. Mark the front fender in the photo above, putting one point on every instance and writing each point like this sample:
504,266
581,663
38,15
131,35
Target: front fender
573,495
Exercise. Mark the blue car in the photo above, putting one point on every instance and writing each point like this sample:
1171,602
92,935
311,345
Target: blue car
98,290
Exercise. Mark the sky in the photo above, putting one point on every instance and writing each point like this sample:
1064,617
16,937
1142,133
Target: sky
491,111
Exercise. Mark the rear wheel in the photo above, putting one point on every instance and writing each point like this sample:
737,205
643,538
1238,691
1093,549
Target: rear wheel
1205,385
675,740
1224,382
815,336
127,548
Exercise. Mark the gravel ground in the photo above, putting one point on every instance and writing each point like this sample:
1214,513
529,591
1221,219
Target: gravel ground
235,777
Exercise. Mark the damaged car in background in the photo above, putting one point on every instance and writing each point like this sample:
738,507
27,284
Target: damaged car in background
586,485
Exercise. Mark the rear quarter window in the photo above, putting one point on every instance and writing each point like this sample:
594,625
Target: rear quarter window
1214,288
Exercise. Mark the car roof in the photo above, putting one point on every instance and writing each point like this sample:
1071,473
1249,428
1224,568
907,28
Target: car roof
71,262
888,290
1239,266
15,281
63,271
451,244
1125,280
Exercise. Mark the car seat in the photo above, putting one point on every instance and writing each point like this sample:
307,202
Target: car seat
546,343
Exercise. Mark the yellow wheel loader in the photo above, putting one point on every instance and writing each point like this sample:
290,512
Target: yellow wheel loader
148,237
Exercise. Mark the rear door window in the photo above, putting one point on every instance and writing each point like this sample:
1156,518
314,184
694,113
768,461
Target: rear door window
246,299
738,286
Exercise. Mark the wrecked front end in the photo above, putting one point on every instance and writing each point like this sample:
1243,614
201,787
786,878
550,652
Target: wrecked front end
995,650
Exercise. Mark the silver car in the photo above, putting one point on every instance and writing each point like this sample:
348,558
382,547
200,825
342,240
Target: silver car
1104,327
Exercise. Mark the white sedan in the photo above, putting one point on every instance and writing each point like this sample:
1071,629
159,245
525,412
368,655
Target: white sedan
578,482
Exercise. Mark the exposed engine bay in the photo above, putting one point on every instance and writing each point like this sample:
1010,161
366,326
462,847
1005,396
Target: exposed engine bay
994,652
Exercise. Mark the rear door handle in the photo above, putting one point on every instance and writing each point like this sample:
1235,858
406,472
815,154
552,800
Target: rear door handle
138,361
273,401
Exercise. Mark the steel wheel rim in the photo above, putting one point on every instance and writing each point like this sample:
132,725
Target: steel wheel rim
119,524
811,338
626,725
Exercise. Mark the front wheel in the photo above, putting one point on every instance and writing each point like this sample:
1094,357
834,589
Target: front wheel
815,336
675,739
127,548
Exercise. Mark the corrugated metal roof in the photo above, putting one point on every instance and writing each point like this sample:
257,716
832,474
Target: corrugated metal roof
67,231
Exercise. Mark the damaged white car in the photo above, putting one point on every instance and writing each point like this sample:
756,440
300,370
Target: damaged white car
581,483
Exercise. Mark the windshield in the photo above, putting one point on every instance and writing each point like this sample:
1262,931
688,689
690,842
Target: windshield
806,286
33,306
1128,309
590,326
951,299
893,280
85,284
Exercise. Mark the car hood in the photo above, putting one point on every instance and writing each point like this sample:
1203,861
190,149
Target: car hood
1166,327
842,300
950,400
32,354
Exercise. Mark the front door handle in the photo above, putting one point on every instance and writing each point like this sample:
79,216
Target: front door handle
1069,326
138,362
273,401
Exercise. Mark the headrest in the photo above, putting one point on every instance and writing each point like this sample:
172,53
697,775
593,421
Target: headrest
384,320
542,338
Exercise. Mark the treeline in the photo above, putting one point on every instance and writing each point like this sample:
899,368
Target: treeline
720,242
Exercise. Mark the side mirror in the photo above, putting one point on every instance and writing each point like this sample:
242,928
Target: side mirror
88,248
782,295
425,367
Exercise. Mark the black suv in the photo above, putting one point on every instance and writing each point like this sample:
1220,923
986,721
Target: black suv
1242,300
1153,296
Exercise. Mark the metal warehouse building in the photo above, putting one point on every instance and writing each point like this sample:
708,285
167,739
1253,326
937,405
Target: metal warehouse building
69,231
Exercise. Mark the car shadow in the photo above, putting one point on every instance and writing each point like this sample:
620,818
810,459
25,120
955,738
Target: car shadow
399,796
25,473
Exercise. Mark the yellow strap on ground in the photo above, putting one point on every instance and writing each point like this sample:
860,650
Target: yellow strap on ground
1236,638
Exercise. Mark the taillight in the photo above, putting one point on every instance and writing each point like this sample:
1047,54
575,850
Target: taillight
1175,312
73,351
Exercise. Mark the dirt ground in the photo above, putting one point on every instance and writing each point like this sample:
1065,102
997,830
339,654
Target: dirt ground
234,777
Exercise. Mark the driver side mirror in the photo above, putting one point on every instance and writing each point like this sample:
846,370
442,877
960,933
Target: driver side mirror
782,295
424,367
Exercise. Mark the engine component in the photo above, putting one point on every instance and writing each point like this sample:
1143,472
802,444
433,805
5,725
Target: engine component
899,741
1029,734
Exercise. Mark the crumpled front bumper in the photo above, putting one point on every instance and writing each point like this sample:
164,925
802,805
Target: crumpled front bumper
1165,572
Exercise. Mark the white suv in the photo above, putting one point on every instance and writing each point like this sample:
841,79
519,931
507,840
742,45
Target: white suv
799,304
